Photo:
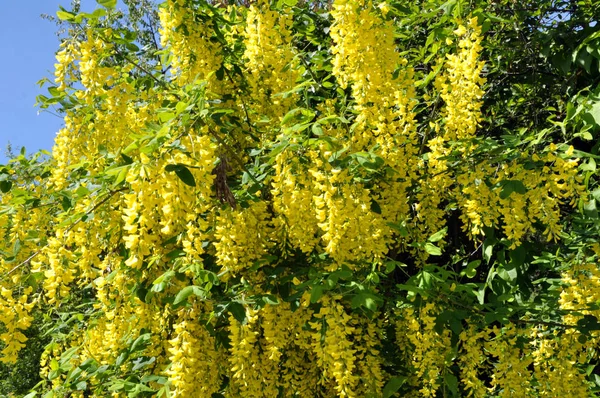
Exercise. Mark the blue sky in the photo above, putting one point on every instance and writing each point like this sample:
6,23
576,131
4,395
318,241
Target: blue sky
28,45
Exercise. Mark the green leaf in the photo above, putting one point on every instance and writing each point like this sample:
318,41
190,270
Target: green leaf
391,265
141,342
375,208
590,210
317,129
471,270
518,256
65,15
166,116
393,385
316,293
400,227
367,300
490,317
5,186
594,113
187,292
183,173
303,115
433,249
588,323
270,299
439,235
100,12
589,166
510,186
238,311
66,203
162,281
107,3
411,288
452,383
488,250
456,325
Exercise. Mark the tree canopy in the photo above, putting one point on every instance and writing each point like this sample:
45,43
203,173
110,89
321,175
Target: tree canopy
312,199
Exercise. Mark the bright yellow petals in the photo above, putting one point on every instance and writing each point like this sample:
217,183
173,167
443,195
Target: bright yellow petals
242,237
196,57
16,318
195,361
271,61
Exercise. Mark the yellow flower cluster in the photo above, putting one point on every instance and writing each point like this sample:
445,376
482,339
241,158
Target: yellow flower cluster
94,76
59,273
472,359
581,291
460,86
270,60
351,230
365,54
139,209
366,59
558,363
253,373
196,57
336,355
543,191
269,353
429,348
21,230
242,237
509,194
86,134
16,318
369,363
158,202
196,363
63,69
293,202
512,376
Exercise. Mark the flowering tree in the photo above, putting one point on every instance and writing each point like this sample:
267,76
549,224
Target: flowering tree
303,200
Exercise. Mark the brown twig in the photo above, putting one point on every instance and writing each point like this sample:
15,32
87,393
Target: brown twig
233,154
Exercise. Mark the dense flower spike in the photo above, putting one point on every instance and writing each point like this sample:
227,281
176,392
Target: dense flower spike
196,57
271,61
195,361
278,201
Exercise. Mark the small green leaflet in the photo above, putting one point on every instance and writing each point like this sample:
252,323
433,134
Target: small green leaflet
452,383
439,235
393,385
510,186
5,186
433,249
107,3
238,311
183,173
187,292
65,15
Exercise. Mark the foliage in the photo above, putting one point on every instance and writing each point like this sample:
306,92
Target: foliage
289,199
